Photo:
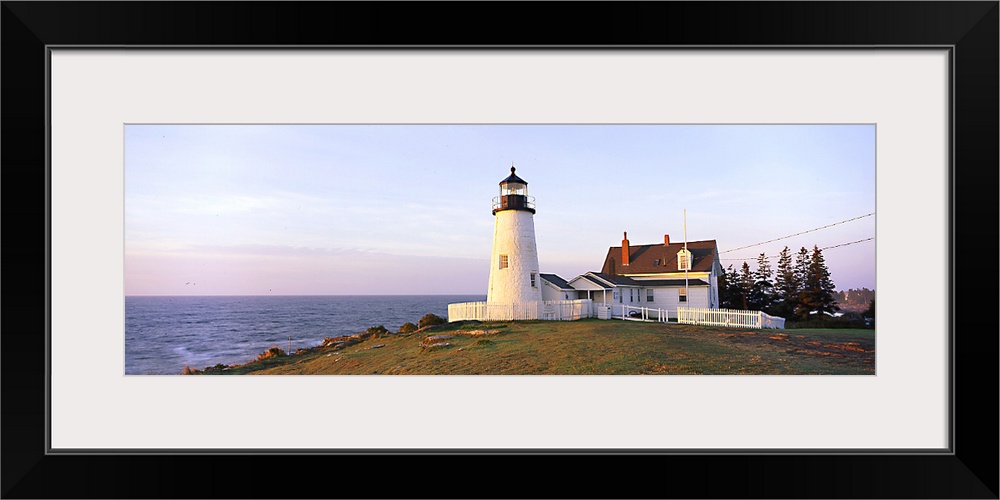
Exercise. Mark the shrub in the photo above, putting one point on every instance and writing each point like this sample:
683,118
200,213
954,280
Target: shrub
188,370
273,352
377,330
407,327
431,319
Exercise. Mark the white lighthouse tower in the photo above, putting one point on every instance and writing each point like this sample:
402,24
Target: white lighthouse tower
514,263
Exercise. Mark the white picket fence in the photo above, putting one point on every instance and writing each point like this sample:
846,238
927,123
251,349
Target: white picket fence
566,310
554,310
728,317
569,310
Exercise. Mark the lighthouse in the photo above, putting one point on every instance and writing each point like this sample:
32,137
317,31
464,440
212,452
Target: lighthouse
514,262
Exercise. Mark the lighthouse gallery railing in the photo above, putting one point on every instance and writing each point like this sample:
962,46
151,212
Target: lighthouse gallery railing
513,201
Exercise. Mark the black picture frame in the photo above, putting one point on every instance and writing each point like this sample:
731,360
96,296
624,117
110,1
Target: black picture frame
970,29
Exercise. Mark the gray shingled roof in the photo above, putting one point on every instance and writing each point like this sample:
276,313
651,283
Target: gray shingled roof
619,280
556,280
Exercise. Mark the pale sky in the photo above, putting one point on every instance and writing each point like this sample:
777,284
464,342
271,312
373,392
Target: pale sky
406,209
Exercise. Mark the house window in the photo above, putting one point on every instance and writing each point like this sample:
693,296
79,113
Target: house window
503,262
533,285
684,260
656,262
649,295
617,296
630,297
683,295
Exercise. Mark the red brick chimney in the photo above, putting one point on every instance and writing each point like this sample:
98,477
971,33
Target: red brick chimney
666,240
625,250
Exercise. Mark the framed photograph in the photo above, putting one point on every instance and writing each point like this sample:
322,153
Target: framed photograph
89,87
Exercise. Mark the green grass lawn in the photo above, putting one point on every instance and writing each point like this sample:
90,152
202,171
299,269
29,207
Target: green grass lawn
584,347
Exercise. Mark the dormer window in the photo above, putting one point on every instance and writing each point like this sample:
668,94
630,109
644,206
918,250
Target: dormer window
684,260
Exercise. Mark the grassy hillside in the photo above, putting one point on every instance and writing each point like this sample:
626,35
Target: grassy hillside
590,346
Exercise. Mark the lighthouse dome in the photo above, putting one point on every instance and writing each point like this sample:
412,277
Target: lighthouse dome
513,178
513,195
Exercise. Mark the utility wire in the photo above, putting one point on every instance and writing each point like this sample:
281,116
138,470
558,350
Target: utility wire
798,234
821,249
851,243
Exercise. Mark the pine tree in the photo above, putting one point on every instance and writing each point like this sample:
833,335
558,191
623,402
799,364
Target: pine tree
745,285
786,285
728,289
802,262
762,293
818,290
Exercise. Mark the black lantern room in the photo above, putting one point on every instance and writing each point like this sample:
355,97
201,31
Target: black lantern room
513,195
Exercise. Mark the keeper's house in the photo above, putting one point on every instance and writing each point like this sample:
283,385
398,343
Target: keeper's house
661,275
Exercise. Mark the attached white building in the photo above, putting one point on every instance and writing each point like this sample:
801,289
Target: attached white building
664,275
556,288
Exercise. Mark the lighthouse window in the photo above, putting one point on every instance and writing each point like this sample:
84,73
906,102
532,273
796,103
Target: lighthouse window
533,285
503,262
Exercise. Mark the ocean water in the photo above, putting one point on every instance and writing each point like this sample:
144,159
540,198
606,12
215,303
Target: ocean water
163,334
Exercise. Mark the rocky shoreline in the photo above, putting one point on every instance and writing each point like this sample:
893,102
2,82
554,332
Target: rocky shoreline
428,323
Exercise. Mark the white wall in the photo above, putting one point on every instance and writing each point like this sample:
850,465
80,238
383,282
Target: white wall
669,299
698,297
673,276
714,302
598,296
552,293
514,236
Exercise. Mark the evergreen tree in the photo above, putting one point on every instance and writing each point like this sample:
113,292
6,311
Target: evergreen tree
745,286
855,299
762,293
786,286
818,290
728,289
723,281
801,272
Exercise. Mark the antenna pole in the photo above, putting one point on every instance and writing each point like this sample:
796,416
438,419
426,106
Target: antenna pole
687,293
